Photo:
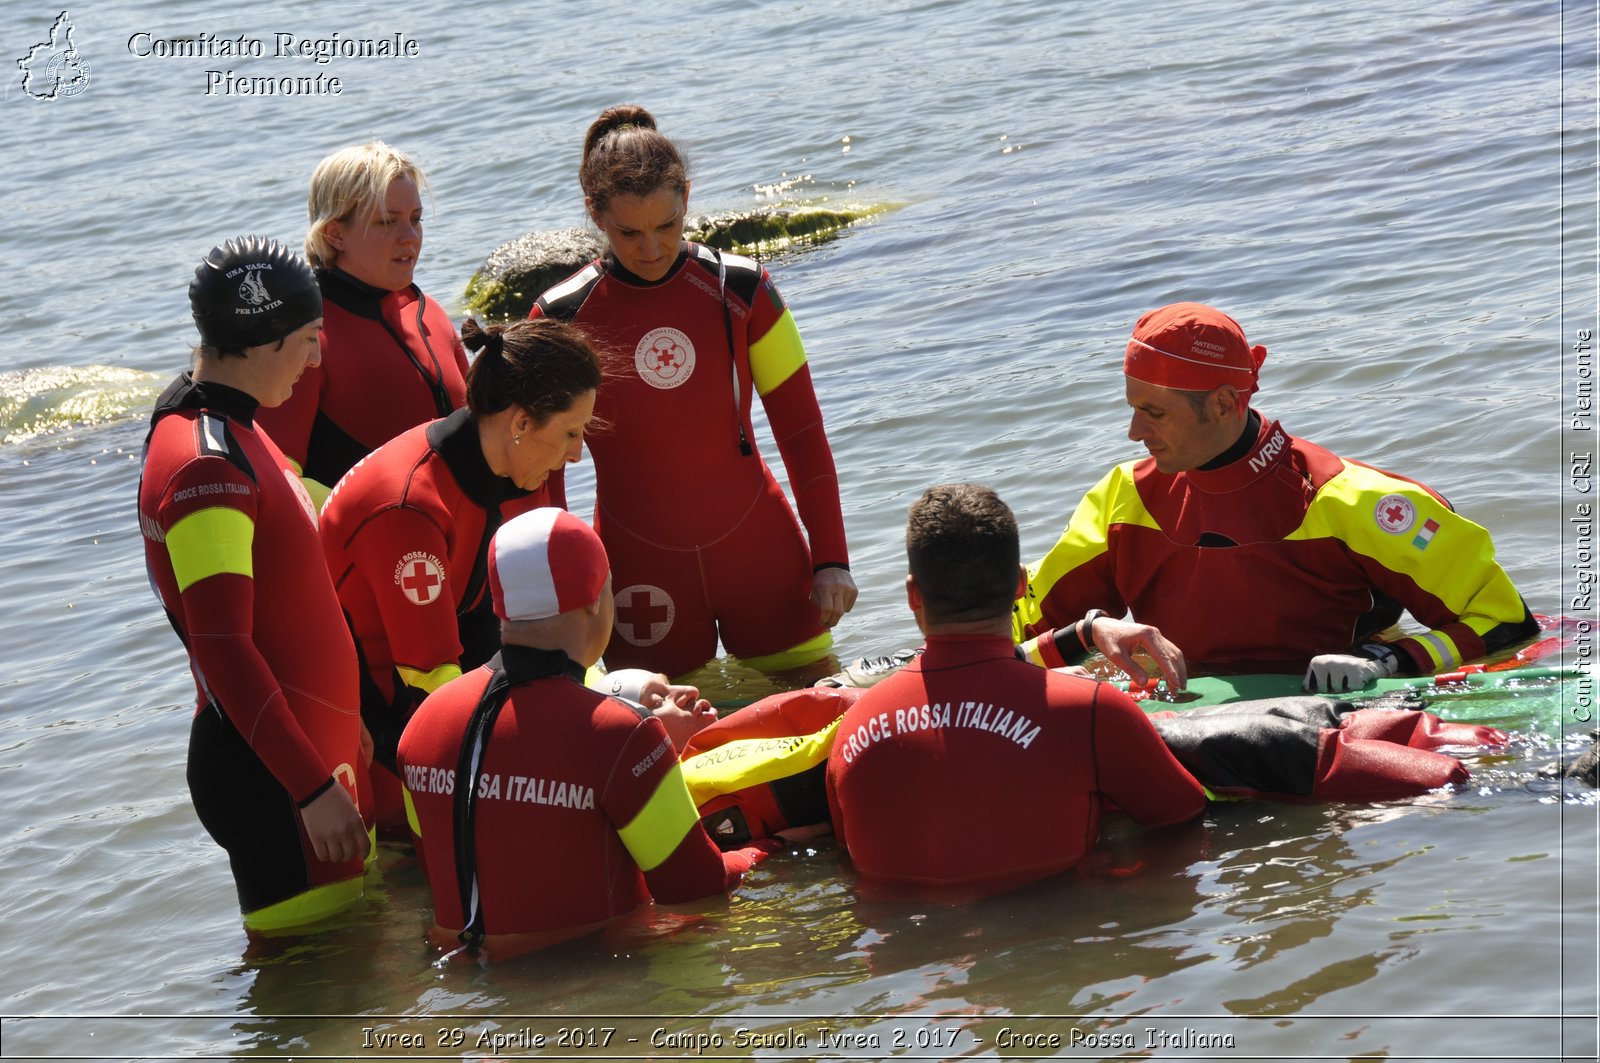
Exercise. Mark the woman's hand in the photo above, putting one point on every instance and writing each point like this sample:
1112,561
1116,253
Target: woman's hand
833,592
334,826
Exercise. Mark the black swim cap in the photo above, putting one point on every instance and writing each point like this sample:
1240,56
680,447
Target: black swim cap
252,291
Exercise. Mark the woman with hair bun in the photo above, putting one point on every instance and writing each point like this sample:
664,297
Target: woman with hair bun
701,539
391,358
406,533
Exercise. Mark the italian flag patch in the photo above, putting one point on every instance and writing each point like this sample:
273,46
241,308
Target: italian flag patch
1425,536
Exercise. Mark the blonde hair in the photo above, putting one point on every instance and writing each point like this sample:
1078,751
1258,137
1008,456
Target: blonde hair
350,181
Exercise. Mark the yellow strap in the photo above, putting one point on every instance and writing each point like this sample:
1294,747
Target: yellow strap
653,834
318,491
747,762
1030,651
411,812
303,909
796,656
428,682
778,355
211,542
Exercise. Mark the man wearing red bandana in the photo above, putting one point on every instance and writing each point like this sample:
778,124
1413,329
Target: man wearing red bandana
1254,550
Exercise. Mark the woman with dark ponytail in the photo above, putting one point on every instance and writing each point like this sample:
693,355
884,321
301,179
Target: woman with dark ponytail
406,532
701,539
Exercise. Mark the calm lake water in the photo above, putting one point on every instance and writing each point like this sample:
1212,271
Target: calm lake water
1398,200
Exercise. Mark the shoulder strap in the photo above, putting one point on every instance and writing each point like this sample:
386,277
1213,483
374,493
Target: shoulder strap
733,352
474,743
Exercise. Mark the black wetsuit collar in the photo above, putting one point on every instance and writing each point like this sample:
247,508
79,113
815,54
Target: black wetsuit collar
627,276
455,439
356,296
1241,446
522,664
187,393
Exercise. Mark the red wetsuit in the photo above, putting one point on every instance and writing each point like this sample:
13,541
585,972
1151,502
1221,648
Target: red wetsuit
232,551
1282,553
969,767
390,360
574,795
406,537
700,536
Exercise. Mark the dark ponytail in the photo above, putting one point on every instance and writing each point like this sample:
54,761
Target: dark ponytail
541,365
624,155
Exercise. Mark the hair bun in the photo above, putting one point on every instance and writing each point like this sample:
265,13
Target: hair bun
624,115
473,337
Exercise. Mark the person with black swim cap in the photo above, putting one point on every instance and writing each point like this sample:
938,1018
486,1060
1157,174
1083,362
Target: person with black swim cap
275,765
252,291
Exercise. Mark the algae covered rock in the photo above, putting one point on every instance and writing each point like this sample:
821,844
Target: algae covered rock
764,231
517,273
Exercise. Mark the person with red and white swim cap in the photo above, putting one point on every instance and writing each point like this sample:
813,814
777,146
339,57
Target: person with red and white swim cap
543,809
1256,551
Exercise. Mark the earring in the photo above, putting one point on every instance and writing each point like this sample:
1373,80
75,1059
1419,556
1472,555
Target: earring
517,440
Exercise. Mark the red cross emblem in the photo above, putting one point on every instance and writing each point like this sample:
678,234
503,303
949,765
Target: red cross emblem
1395,514
644,614
421,579
664,357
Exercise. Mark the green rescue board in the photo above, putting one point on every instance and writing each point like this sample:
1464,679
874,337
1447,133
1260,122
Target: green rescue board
1548,699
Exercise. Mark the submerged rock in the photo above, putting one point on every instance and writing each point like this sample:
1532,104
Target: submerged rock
757,232
518,272
1586,769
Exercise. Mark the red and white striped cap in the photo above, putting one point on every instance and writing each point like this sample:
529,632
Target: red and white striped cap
543,563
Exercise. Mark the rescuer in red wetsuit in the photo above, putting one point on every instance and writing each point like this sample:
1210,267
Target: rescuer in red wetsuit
701,538
391,359
576,810
1255,551
275,764
406,532
970,767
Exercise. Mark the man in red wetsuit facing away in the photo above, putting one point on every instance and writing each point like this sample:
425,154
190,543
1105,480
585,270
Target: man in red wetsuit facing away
1256,551
970,767
230,541
576,811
